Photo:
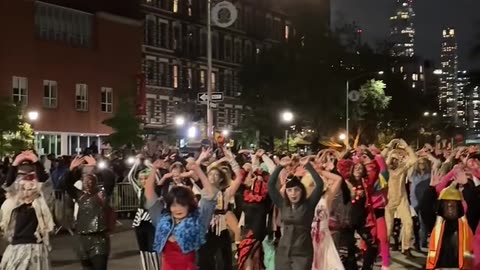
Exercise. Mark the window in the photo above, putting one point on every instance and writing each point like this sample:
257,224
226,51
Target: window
163,34
20,90
287,31
50,94
214,81
107,99
228,80
215,46
150,70
228,48
57,23
237,51
81,97
203,43
175,6
189,78
175,76
177,37
162,73
189,7
202,79
150,31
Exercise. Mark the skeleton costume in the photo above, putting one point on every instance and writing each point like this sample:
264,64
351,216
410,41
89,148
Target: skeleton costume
26,220
142,223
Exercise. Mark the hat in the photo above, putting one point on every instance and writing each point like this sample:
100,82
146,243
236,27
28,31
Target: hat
450,193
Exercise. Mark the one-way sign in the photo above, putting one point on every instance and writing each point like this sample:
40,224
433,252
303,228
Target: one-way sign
216,96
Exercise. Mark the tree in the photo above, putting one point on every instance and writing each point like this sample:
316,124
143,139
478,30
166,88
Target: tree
126,126
368,110
15,133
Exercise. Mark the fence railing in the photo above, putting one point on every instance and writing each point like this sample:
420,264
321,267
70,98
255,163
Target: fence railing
124,199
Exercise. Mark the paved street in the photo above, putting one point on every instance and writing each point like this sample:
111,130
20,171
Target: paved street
124,254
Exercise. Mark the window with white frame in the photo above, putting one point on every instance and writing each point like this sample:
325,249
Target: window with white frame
81,97
50,94
175,76
107,100
20,90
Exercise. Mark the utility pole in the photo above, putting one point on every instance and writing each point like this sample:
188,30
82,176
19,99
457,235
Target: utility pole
209,71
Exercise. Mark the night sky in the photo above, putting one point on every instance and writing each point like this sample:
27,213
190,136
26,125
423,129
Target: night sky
431,16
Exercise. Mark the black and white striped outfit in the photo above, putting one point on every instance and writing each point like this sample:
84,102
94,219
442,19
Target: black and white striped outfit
144,230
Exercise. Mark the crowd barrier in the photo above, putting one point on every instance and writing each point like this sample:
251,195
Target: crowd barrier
123,200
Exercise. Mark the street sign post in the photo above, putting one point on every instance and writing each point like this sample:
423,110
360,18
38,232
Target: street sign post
203,96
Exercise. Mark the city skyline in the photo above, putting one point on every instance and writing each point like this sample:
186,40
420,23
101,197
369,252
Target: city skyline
373,16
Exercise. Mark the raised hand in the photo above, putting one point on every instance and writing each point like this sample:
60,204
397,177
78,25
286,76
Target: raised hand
305,160
90,161
206,154
76,162
228,154
159,164
18,159
260,153
29,155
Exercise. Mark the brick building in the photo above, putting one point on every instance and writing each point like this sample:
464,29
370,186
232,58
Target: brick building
175,62
69,61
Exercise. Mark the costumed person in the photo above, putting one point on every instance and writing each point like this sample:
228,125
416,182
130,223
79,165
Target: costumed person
216,253
94,217
325,254
180,231
399,162
295,248
256,207
26,220
142,223
451,241
358,209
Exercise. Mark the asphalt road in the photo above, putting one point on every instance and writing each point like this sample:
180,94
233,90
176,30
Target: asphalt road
124,254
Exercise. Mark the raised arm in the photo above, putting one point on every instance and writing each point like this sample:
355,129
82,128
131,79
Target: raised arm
318,190
239,174
150,194
70,188
208,189
272,184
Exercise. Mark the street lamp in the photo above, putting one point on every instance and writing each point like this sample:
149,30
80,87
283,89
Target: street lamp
287,118
192,132
426,114
225,132
347,98
33,115
342,136
179,121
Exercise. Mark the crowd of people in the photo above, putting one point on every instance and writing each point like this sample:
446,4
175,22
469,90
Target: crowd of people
338,209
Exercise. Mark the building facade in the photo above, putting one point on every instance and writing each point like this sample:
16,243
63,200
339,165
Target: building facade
63,59
448,91
402,31
175,58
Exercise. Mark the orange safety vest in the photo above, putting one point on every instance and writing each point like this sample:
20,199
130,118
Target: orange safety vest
465,244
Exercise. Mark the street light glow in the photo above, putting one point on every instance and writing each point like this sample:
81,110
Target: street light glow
179,121
434,114
342,136
426,114
438,72
33,116
225,132
192,132
130,160
381,72
287,116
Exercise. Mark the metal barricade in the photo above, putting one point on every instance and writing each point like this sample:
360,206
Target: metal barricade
62,211
124,198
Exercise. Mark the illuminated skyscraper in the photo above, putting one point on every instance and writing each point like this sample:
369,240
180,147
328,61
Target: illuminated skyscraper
449,95
402,32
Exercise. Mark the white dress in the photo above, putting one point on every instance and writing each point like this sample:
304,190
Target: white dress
325,255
